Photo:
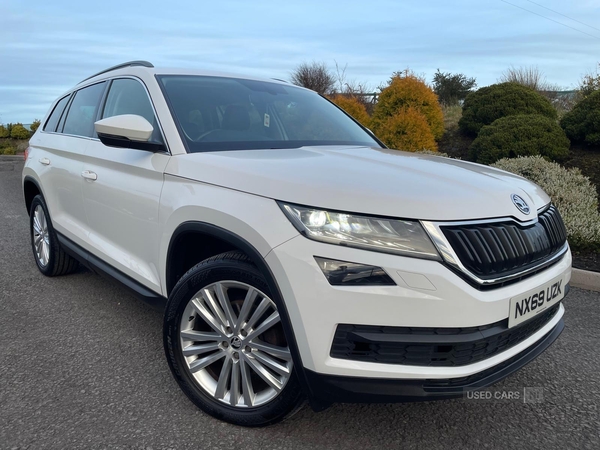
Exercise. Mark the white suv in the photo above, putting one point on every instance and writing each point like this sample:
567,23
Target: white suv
298,258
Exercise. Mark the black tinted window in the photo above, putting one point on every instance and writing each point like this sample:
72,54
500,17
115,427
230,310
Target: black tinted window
217,113
55,116
82,112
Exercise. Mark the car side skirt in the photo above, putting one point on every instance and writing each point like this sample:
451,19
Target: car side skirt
105,270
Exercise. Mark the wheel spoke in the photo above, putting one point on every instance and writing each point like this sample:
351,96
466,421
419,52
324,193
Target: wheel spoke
225,304
246,306
43,221
201,363
200,336
224,378
214,307
234,391
191,350
36,225
268,323
207,316
274,350
260,310
37,238
272,364
262,372
247,390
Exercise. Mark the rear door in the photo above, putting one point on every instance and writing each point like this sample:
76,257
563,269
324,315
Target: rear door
59,158
122,192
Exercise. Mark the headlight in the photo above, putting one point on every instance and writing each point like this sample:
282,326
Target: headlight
401,237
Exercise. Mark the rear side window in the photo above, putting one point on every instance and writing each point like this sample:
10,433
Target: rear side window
82,112
55,116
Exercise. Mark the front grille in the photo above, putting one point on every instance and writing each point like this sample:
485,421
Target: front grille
444,347
499,249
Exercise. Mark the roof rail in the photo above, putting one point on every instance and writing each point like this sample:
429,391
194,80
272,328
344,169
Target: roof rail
279,79
120,66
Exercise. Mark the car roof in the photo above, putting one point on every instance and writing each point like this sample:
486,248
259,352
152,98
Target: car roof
143,67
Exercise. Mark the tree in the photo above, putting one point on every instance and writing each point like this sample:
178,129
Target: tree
315,76
35,125
588,84
407,130
408,91
452,88
18,131
353,106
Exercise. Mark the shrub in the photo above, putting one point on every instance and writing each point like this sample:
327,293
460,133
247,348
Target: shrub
4,132
408,91
451,88
582,123
487,104
521,135
407,130
354,107
18,131
35,125
8,151
571,192
315,76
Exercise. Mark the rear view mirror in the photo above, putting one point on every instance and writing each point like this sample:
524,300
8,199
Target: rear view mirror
127,131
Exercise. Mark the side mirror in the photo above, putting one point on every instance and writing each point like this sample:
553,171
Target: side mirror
127,131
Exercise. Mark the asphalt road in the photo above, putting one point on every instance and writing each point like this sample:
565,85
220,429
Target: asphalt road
82,366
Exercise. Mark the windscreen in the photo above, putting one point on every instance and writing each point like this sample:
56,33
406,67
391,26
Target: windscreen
217,113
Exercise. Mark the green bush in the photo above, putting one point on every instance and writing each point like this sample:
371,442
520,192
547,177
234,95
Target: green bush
4,132
521,135
582,123
490,103
18,131
8,151
35,125
572,193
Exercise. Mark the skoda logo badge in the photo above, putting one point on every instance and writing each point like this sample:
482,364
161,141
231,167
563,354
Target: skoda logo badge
520,204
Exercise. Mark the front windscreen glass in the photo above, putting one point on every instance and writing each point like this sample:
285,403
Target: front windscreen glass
217,113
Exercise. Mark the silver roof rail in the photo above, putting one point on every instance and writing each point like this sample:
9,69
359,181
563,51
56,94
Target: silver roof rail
120,66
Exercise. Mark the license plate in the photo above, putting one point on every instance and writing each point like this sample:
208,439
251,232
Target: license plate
531,303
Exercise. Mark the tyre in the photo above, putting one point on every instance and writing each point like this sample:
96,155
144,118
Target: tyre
225,343
47,252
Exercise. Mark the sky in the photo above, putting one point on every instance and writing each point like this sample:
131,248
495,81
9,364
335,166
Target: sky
46,47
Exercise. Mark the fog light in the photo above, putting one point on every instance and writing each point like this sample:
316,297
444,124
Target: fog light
343,273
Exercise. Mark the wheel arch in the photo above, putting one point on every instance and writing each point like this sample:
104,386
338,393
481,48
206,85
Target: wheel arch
31,188
239,243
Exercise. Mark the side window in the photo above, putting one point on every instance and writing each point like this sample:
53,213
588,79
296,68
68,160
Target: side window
128,96
82,112
56,113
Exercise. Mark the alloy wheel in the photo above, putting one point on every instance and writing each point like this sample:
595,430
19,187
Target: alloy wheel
233,344
41,236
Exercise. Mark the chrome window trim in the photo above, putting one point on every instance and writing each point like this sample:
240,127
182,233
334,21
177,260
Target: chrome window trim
438,238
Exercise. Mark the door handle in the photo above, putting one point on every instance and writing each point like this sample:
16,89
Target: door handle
89,175
45,161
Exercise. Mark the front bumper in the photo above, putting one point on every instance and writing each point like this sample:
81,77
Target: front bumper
329,389
427,294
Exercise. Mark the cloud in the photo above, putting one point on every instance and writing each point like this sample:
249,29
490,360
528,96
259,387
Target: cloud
50,46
